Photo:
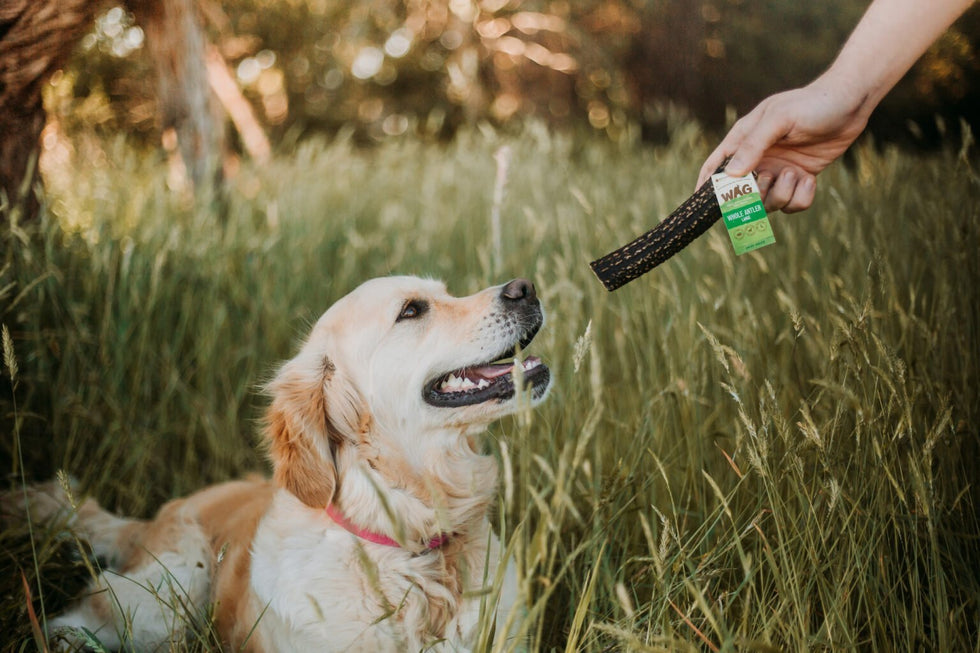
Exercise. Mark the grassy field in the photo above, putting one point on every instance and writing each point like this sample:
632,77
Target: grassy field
777,451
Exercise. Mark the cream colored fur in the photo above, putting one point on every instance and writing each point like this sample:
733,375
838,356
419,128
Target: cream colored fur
347,425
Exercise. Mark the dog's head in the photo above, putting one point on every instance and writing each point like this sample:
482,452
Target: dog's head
401,367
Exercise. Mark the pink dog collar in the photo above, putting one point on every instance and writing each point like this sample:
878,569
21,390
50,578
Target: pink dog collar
436,542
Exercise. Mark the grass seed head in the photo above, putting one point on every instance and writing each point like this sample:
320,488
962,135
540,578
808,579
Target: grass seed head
9,359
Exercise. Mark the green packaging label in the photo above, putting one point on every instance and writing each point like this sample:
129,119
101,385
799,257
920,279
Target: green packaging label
741,207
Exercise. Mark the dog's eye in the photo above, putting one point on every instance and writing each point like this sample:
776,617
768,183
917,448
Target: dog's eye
412,309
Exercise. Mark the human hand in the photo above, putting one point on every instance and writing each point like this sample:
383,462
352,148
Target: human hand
788,139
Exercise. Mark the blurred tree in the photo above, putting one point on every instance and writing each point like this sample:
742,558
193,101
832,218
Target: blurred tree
177,44
36,39
757,47
389,67
667,56
944,85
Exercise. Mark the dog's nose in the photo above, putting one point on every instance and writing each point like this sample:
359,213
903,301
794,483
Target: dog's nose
518,290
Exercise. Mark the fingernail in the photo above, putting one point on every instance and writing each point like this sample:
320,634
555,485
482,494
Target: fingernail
736,168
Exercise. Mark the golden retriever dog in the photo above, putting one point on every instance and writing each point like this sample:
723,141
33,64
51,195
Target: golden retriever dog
372,534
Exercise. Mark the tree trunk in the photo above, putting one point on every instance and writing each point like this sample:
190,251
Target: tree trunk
36,39
176,42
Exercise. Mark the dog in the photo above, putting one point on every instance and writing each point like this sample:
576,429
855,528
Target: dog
373,532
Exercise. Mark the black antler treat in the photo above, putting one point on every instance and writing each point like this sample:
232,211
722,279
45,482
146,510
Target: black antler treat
687,222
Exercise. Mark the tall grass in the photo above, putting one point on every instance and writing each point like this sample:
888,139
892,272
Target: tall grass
771,452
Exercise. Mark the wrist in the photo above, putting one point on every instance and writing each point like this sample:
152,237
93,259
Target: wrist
854,95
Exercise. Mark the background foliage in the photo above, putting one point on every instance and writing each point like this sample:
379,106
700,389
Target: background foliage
429,66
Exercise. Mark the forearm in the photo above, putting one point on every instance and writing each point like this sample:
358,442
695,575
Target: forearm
888,40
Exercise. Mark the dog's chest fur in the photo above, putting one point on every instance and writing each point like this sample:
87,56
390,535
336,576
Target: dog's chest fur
314,582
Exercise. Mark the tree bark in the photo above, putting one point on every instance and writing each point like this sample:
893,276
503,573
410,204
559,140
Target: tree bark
176,42
36,39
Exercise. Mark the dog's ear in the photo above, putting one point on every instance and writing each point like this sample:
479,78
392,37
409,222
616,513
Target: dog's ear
309,419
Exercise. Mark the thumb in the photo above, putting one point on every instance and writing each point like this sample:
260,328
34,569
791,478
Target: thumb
752,148
711,164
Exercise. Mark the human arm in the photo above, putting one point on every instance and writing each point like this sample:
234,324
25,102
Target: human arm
790,137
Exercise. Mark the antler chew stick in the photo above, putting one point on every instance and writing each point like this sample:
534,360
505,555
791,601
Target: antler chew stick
687,222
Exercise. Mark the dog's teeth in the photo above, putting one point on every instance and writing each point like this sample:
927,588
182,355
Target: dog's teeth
464,383
453,383
449,383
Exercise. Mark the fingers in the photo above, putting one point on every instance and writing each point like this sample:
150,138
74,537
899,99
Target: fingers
803,195
710,165
764,182
765,131
791,191
714,160
745,143
728,146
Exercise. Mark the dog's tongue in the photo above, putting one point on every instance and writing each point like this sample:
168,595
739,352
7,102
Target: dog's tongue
493,371
489,371
483,376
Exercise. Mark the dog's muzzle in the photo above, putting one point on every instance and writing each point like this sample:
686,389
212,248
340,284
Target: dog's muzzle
496,378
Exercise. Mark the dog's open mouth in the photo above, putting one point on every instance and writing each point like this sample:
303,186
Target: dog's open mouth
477,384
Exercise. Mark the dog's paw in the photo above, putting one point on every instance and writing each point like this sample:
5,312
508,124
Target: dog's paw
47,503
75,631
